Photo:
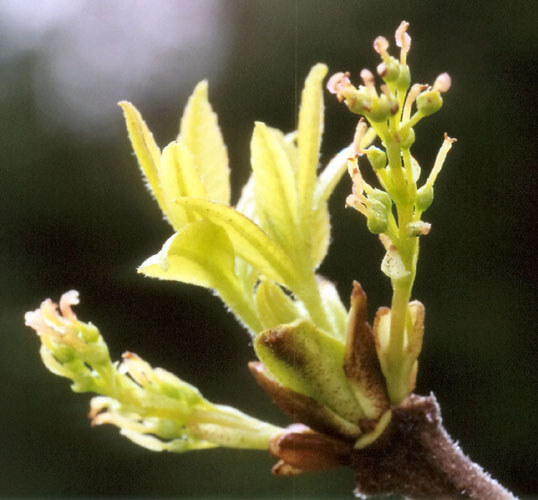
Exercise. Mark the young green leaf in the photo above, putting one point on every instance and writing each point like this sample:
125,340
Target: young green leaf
275,187
331,175
248,240
146,150
178,176
201,254
321,235
334,309
200,132
309,139
274,306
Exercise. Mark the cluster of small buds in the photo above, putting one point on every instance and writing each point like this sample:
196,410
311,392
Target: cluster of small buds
374,204
379,107
388,115
70,348
365,100
151,406
394,212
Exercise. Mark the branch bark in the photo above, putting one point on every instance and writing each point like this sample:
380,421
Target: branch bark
414,457
417,458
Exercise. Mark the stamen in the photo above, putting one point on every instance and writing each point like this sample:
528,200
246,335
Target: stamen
368,79
403,40
359,135
415,90
441,156
337,83
442,82
381,45
67,300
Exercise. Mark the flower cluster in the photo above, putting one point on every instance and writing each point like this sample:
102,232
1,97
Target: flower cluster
395,211
152,407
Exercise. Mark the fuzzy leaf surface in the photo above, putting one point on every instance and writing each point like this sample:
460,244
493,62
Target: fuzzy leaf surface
200,132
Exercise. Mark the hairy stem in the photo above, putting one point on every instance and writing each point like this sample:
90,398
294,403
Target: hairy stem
416,457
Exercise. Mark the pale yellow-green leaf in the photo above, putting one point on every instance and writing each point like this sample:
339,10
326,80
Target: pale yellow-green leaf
247,206
309,138
331,175
274,306
321,235
248,240
334,308
307,360
146,150
288,142
415,330
246,203
178,176
275,188
200,254
200,132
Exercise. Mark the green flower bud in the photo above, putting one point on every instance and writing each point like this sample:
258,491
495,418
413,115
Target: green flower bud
429,102
380,109
377,157
404,78
377,219
64,354
389,71
407,141
89,333
358,101
382,197
98,355
424,197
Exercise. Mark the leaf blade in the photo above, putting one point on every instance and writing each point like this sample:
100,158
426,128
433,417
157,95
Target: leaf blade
200,132
310,128
146,150
275,187
249,241
178,176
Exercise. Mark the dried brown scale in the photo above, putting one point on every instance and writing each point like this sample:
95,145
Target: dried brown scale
305,450
361,363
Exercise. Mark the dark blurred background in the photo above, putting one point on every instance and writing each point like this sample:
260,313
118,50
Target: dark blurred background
75,214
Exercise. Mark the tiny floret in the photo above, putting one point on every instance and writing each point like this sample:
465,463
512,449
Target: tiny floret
381,45
403,40
337,84
442,82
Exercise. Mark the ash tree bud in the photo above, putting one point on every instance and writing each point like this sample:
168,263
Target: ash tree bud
429,102
376,157
389,70
424,197
409,139
404,78
377,219
383,197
